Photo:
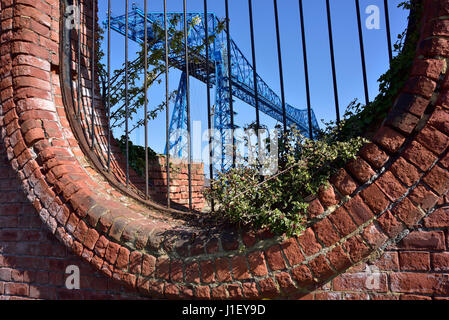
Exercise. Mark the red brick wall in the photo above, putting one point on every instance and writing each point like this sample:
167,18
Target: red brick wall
179,182
32,261
385,209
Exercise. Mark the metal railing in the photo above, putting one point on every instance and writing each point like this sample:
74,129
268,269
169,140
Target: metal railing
94,114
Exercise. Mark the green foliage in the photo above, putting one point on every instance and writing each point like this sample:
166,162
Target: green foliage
279,203
136,155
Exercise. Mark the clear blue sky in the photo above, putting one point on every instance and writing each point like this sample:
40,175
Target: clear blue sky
347,52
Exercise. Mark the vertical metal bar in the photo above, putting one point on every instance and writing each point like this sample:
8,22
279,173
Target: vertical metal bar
253,53
145,84
231,103
209,119
362,51
109,85
306,67
126,94
334,73
79,61
189,137
281,74
167,107
387,22
94,13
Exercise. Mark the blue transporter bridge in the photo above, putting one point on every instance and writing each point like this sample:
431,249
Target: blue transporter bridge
216,73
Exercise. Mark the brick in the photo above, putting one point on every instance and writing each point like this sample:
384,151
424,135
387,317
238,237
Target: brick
437,219
192,273
440,261
257,266
389,139
408,213
361,281
202,292
249,239
390,186
268,288
438,180
375,199
414,297
342,222
148,265
314,209
163,268
419,283
122,258
321,268
360,169
343,182
292,252
135,262
358,210
405,172
303,276
433,139
91,239
250,290
219,292
424,240
388,262
308,242
356,248
325,232
285,283
401,120
414,261
234,291
240,268
440,120
374,155
423,197
338,258
223,270
327,196
419,156
431,68
390,225
176,271
207,271
373,236
274,258
229,241
421,86
16,289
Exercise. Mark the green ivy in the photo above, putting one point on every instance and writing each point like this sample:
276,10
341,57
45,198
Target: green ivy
279,203
136,155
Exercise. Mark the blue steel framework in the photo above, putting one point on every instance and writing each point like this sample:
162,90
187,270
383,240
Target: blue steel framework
242,79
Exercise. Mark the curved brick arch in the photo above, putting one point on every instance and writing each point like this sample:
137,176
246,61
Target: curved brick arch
394,183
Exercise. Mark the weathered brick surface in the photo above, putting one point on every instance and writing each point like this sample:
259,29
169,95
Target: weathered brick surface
64,214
